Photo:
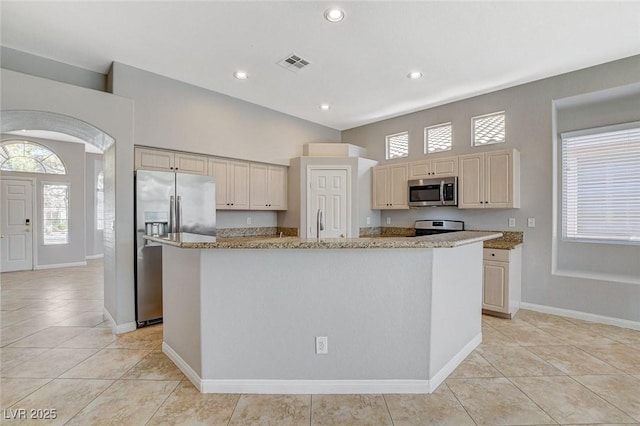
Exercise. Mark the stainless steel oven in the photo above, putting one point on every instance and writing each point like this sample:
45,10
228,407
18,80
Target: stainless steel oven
433,192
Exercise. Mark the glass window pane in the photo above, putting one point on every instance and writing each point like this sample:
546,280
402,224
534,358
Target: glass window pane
438,138
489,129
53,165
15,149
22,164
55,213
397,145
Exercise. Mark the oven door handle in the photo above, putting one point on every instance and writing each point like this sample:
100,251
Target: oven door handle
442,191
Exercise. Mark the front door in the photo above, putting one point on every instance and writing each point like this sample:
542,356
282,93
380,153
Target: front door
16,225
328,194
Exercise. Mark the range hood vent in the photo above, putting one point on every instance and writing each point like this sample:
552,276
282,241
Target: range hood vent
293,63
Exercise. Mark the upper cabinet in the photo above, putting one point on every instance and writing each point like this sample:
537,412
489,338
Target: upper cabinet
232,183
489,180
441,167
390,187
157,159
268,187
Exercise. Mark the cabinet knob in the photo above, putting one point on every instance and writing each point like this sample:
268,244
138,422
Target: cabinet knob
493,254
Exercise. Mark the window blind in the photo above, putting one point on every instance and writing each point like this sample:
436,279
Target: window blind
601,185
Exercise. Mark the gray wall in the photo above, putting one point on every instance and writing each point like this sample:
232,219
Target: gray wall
175,115
94,244
114,116
16,60
529,111
72,155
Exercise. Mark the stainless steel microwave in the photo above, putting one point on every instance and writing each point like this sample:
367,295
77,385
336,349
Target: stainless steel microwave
433,192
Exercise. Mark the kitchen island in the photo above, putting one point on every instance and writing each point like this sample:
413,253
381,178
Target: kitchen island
400,314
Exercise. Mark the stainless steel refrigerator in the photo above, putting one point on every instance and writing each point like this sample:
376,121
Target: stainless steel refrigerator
165,203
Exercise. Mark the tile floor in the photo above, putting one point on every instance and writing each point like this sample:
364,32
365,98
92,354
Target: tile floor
57,353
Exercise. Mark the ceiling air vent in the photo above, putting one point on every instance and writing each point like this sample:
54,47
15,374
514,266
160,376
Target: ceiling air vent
293,63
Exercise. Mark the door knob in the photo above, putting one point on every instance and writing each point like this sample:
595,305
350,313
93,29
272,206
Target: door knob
27,222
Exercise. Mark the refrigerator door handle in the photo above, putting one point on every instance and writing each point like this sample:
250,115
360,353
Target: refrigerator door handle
179,213
172,214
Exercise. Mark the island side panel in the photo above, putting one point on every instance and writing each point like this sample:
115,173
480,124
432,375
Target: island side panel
456,321
181,305
262,310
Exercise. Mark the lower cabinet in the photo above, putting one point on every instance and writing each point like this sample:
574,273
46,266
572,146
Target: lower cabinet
501,282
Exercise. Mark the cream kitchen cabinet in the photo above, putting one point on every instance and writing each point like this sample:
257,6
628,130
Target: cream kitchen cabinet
390,187
268,189
232,183
489,180
440,167
501,281
170,161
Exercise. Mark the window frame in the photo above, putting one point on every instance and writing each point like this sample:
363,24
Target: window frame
473,128
387,145
44,184
436,126
564,137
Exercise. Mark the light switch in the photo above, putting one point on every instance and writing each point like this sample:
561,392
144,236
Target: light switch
388,221
512,222
531,222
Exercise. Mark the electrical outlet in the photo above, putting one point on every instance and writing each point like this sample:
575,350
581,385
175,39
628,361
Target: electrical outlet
388,221
368,220
531,222
322,345
512,222
249,220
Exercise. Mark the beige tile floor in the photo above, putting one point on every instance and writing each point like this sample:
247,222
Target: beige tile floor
57,353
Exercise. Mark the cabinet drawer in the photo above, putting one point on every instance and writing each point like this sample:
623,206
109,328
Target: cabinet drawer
496,255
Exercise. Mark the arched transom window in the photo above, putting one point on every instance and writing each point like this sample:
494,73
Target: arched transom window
29,157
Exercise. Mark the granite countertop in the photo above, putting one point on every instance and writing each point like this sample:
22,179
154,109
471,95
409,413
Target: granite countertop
454,239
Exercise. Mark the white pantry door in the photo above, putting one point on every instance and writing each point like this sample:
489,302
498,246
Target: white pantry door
328,192
16,225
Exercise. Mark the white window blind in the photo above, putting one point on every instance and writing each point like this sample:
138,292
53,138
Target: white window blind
601,184
437,138
397,145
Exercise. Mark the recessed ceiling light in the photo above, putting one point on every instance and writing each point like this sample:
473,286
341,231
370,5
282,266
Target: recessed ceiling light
414,75
325,107
334,14
241,75
24,130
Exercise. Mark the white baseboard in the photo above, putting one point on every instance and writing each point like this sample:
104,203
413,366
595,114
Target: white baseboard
618,322
320,386
117,329
60,265
94,256
183,366
454,362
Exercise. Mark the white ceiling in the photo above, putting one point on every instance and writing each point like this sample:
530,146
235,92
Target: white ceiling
358,66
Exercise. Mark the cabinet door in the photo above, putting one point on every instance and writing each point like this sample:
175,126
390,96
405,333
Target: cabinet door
420,169
398,191
495,292
153,159
379,188
239,185
444,167
192,164
471,181
498,177
259,195
219,169
277,188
